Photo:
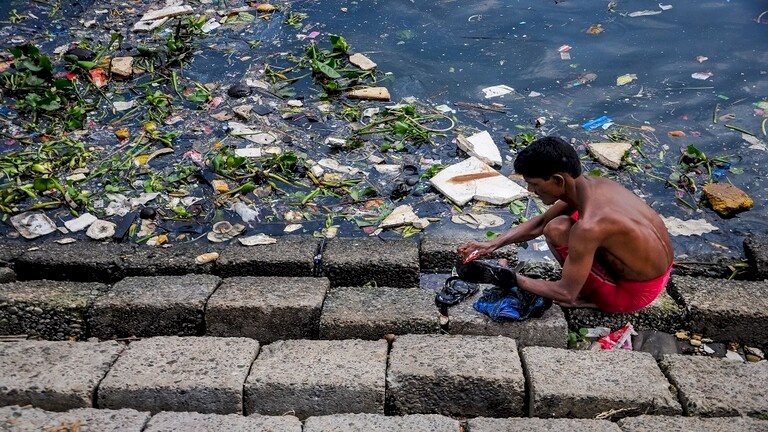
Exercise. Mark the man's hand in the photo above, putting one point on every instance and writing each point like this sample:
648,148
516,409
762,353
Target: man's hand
482,248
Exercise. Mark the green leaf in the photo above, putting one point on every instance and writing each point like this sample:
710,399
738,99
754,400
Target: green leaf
50,105
693,151
87,65
401,128
490,235
326,70
516,207
34,81
339,43
29,64
583,332
42,184
62,84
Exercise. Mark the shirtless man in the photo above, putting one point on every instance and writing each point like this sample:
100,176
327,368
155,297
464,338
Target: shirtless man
614,249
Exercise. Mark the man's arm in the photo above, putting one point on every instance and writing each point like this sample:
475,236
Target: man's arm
527,230
582,245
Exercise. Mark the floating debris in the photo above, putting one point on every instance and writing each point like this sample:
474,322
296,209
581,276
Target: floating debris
679,227
33,224
206,258
81,222
101,229
258,239
610,154
726,199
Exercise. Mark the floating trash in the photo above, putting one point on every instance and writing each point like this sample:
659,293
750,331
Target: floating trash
33,224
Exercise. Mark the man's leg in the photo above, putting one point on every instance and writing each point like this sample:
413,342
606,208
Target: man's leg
557,232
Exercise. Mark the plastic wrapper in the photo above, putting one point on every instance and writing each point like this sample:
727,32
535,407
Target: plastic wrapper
621,338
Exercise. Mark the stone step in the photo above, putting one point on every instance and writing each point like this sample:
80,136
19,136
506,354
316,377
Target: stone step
710,387
756,252
23,419
55,376
663,314
586,384
646,423
172,373
310,378
265,308
148,306
457,376
345,261
373,313
728,310
550,330
484,424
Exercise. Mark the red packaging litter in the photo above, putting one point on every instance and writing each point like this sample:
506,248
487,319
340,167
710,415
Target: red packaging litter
621,338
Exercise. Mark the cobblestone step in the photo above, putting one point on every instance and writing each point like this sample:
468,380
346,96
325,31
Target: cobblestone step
264,308
725,309
262,337
347,263
458,376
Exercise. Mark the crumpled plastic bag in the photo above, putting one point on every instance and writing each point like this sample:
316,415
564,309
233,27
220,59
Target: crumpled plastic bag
621,338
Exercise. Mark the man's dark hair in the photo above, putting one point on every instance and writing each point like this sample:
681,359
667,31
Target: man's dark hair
547,156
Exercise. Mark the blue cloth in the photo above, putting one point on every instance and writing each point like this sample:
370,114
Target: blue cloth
511,304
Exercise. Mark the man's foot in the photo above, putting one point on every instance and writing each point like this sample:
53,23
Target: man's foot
578,303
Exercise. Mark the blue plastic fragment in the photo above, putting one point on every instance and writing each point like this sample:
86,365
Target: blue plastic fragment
720,171
596,123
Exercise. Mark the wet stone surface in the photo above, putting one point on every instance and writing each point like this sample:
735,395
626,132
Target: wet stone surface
756,251
438,254
153,306
266,308
292,256
386,263
371,313
95,262
52,310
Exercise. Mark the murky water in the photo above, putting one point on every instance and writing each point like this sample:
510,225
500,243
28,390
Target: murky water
446,52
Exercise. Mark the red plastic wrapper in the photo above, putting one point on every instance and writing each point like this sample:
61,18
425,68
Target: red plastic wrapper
621,338
472,256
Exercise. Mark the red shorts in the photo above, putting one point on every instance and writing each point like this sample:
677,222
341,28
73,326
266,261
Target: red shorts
621,296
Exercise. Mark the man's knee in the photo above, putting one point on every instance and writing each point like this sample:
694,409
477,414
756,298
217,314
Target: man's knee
558,229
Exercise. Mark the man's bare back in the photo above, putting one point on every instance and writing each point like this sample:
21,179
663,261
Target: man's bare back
615,250
634,241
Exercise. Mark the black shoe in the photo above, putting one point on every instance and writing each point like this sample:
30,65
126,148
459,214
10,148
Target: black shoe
487,272
454,291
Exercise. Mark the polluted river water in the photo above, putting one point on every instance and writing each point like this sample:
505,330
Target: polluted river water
683,83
